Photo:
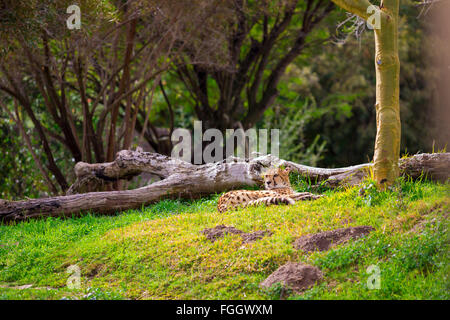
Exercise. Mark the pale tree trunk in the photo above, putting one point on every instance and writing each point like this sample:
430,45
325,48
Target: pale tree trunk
184,180
387,67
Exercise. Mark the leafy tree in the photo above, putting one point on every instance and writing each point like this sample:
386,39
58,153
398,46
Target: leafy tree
265,39
90,89
338,78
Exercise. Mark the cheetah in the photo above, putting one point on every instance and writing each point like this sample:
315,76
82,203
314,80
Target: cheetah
278,191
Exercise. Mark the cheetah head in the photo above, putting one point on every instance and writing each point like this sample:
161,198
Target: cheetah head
277,178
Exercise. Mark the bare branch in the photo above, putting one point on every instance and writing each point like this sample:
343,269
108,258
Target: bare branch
358,7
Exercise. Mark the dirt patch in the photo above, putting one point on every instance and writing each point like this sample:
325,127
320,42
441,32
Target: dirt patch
414,221
294,276
420,226
253,236
323,241
439,206
94,270
219,231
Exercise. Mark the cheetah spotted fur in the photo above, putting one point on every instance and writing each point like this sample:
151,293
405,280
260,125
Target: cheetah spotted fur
278,191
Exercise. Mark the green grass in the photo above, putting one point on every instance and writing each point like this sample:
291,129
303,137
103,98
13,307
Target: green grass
158,252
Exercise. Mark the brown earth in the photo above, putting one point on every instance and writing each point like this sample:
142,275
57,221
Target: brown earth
323,241
219,231
253,236
294,276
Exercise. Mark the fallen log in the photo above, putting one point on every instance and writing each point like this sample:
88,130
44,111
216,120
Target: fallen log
131,163
184,180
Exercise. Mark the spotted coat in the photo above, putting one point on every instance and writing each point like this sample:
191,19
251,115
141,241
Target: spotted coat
278,191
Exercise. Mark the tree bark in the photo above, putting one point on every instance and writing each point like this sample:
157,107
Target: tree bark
387,67
185,180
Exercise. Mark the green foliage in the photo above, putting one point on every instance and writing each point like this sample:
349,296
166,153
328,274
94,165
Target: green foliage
340,79
19,174
306,184
404,189
19,177
292,121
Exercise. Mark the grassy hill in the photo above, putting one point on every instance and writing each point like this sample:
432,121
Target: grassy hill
159,252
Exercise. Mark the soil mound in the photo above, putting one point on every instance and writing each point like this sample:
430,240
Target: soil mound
323,241
253,236
219,231
295,276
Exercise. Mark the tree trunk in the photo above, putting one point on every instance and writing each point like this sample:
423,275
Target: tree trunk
387,67
182,179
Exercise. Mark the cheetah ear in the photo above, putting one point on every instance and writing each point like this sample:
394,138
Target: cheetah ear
287,170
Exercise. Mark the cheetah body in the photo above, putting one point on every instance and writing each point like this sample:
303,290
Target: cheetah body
278,191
